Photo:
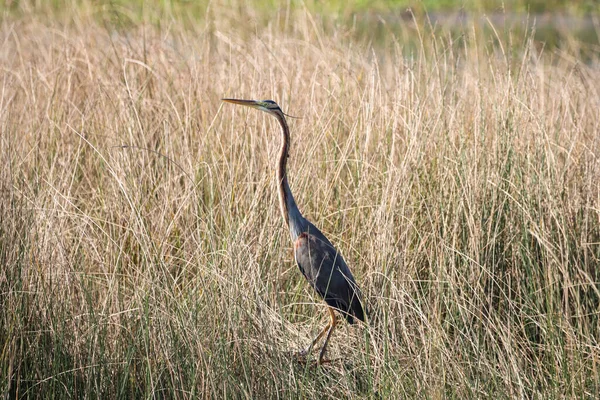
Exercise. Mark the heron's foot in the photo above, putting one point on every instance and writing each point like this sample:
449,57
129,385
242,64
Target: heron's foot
301,353
322,359
304,360
323,362
329,361
303,357
304,352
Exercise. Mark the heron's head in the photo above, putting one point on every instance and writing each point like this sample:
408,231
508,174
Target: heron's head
268,106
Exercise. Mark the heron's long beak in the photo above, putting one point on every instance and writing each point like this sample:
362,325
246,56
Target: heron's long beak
249,103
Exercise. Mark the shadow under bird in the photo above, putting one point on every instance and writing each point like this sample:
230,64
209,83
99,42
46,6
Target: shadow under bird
319,261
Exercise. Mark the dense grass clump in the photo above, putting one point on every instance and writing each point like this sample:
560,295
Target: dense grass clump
142,250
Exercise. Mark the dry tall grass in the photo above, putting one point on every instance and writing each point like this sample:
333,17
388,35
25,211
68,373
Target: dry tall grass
142,250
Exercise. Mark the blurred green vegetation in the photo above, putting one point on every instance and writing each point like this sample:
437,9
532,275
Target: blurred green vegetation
551,22
197,9
532,6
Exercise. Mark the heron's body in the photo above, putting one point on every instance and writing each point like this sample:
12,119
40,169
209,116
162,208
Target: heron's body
328,274
318,260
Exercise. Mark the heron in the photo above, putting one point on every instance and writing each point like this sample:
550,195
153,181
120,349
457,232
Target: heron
319,261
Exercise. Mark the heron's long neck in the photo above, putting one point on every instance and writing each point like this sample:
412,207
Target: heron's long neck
289,210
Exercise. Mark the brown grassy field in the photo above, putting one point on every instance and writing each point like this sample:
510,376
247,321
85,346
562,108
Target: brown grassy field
142,250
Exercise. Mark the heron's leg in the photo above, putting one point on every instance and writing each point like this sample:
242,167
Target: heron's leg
332,325
315,340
